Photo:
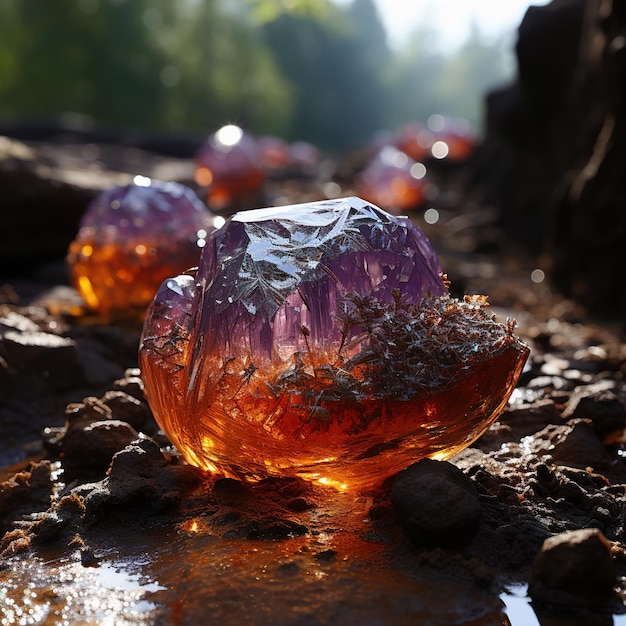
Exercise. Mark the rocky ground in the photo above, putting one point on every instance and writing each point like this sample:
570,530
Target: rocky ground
539,499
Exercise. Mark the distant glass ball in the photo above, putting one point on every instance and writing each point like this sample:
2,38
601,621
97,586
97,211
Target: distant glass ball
229,167
131,238
392,180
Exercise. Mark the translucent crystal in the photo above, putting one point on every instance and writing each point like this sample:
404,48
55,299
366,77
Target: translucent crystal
452,138
229,167
392,180
319,340
133,237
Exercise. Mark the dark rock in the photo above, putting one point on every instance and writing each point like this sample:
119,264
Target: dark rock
436,503
25,492
553,155
574,569
603,408
88,557
577,445
141,469
127,408
93,444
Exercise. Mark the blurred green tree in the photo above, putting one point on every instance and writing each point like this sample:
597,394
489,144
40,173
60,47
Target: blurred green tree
303,69
140,63
340,96
424,80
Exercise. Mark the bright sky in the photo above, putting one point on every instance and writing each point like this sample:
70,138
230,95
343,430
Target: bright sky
451,19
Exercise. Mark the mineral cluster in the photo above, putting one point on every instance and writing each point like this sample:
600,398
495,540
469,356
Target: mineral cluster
320,340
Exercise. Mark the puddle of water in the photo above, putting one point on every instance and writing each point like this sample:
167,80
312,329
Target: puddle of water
520,612
164,576
518,608
63,592
256,583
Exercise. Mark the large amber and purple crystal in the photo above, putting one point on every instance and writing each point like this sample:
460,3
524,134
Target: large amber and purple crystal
319,340
131,238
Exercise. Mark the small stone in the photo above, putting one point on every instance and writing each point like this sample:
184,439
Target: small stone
436,503
130,239
93,444
574,570
126,408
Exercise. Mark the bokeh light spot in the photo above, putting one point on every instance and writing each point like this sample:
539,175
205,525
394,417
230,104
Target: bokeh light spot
431,216
537,276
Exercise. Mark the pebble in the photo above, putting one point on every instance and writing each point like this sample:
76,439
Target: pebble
574,569
436,503
93,444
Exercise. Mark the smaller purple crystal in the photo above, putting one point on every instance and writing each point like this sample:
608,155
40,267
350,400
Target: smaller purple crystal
131,238
145,209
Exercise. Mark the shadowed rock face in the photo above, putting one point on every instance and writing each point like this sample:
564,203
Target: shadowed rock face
554,154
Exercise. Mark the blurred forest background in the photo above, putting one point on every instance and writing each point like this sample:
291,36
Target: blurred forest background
306,70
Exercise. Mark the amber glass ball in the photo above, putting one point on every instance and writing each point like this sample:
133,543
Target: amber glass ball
133,237
320,341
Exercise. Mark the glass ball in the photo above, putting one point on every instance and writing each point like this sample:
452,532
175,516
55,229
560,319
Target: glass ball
319,340
133,237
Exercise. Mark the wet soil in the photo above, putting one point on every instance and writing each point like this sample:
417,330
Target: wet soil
102,521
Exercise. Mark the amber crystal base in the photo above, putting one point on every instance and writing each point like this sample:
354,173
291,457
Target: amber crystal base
250,430
121,280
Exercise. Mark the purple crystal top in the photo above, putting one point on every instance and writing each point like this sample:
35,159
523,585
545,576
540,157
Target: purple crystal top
269,273
146,208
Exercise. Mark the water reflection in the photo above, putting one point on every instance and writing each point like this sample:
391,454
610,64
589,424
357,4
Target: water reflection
62,591
520,612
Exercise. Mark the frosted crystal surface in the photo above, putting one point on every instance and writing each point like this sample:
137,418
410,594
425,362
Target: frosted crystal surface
268,272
